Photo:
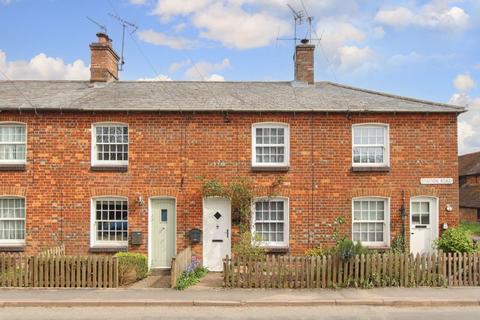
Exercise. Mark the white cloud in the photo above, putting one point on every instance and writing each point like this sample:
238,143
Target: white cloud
180,27
237,28
207,71
378,32
215,77
397,17
161,39
351,56
160,77
341,42
174,67
436,14
463,83
468,122
5,2
166,9
138,2
42,67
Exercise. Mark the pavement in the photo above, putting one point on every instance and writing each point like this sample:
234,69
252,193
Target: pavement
219,297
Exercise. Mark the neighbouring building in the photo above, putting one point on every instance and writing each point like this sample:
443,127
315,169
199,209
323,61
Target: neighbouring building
108,165
469,172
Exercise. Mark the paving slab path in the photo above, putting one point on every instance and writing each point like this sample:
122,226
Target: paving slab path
463,296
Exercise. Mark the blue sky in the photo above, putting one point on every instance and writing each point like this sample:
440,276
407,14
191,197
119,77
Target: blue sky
427,49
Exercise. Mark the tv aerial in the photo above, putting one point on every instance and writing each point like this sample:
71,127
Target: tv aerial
300,17
101,26
125,25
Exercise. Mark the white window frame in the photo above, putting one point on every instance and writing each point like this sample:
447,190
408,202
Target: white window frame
286,145
386,227
94,243
386,157
14,123
16,242
95,161
286,223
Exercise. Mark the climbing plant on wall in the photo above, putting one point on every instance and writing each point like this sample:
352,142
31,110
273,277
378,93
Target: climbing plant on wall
241,193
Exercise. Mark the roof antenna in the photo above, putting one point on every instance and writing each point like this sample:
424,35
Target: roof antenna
300,17
101,26
125,24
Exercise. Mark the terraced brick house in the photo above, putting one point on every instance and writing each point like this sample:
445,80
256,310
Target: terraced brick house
469,172
108,165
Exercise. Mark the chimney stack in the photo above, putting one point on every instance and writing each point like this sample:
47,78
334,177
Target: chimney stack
304,66
104,61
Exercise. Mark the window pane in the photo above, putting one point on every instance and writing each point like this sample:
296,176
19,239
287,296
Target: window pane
111,142
365,213
267,216
111,220
12,217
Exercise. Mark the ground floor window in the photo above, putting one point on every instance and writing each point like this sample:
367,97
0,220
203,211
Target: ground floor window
371,221
12,220
270,221
110,222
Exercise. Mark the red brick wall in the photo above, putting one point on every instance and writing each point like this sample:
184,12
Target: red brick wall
473,180
169,152
468,214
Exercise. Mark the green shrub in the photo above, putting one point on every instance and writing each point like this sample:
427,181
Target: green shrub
347,249
248,247
318,251
131,267
188,279
456,240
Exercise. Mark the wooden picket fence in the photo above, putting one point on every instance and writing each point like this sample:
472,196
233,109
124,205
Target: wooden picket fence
53,252
365,271
58,271
179,264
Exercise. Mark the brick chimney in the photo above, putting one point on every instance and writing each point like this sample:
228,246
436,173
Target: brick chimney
104,63
304,65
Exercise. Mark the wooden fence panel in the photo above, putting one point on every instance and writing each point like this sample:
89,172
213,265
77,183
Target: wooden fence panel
371,270
56,271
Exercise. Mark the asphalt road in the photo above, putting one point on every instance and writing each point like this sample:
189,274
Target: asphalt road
277,313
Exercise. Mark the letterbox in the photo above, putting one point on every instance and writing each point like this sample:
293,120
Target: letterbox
136,238
195,235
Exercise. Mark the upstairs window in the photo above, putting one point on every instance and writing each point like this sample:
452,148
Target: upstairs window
109,222
370,145
13,143
110,144
12,220
270,222
270,145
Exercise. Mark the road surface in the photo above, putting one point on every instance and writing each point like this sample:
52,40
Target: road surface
277,313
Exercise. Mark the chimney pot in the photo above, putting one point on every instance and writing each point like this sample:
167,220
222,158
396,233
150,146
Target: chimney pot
304,62
104,60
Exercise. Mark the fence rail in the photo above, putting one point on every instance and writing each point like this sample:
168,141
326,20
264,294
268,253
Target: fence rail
179,264
371,270
58,271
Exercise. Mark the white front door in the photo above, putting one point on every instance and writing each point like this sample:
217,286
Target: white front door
162,232
423,224
216,232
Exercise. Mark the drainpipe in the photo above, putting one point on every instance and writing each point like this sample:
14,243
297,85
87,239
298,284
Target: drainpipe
403,215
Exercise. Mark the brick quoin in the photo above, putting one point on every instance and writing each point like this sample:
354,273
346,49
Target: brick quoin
170,151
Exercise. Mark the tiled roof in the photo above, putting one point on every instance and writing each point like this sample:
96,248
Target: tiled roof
206,96
469,164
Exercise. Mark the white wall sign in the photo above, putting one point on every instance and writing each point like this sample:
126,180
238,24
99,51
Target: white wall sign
436,180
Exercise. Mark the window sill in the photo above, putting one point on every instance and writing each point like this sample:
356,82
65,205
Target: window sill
270,168
12,167
103,168
12,248
276,249
108,249
370,169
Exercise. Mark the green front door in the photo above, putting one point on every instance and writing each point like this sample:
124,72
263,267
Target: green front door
163,232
